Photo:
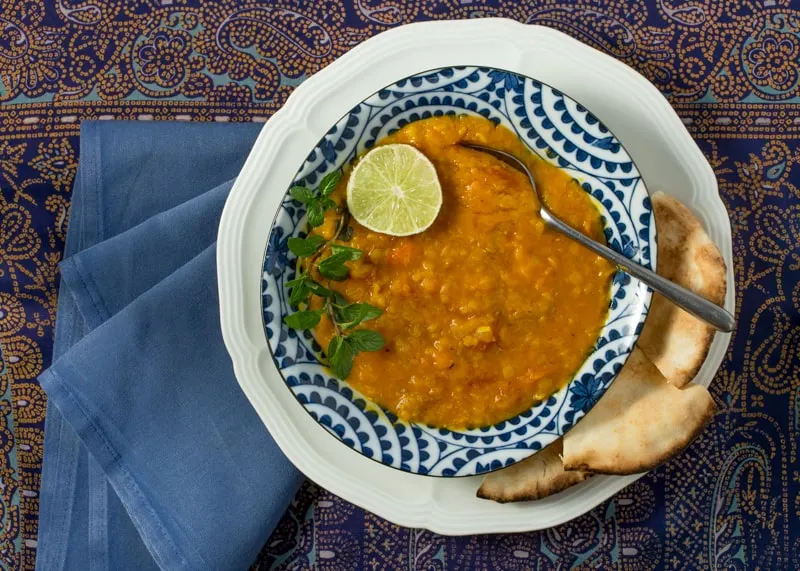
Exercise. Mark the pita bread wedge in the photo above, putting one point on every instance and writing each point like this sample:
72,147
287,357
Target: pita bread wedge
640,422
539,476
675,341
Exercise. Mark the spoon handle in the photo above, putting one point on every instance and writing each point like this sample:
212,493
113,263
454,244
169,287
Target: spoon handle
698,306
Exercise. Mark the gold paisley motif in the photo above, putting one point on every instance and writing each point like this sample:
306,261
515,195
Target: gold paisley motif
30,58
517,552
331,511
728,389
18,241
773,362
587,534
610,31
59,206
386,12
56,162
690,13
776,236
339,549
30,402
30,445
635,503
300,41
84,12
730,495
23,358
12,315
643,549
11,158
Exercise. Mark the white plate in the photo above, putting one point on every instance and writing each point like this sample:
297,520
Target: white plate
626,102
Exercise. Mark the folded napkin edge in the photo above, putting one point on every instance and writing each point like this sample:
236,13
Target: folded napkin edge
75,278
75,411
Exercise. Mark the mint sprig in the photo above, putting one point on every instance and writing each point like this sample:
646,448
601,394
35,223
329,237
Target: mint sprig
304,247
317,202
347,341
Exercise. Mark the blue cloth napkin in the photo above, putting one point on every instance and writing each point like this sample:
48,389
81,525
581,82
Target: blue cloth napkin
153,456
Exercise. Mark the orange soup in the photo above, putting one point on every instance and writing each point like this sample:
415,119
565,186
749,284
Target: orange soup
488,310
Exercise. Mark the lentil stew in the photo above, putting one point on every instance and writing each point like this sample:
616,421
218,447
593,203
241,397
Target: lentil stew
487,311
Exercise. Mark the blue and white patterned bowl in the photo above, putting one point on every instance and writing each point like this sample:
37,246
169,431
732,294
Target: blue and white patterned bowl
559,130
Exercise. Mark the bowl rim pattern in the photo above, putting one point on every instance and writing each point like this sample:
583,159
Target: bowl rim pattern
500,454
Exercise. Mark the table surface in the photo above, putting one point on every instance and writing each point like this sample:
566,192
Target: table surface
732,74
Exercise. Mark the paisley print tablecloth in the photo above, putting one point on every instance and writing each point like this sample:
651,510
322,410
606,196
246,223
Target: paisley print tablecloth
732,71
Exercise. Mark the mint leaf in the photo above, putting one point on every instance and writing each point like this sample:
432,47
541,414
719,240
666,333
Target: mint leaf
303,319
302,194
305,247
366,340
334,272
318,289
329,182
316,214
297,281
299,290
333,266
351,315
333,346
353,253
340,357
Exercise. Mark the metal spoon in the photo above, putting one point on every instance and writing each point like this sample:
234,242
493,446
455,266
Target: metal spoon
698,306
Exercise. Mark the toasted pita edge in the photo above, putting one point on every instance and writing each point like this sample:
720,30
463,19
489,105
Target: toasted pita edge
678,367
677,342
640,422
669,211
534,478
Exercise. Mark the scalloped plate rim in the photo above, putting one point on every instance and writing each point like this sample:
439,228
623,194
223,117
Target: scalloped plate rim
434,510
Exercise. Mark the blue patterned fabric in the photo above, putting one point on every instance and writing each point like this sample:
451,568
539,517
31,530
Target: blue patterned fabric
730,69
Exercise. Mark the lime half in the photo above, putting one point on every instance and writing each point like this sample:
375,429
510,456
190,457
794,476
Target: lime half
394,190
